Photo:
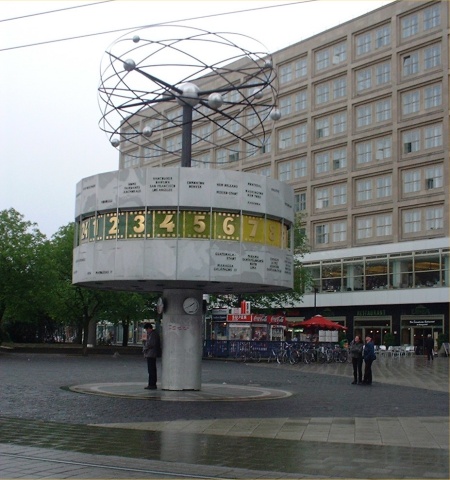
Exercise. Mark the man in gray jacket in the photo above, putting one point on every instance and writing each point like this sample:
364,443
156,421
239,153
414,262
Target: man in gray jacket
151,350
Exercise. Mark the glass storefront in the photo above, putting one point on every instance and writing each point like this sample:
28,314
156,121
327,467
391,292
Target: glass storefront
424,269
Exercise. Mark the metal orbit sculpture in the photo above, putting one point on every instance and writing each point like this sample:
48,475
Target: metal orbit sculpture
184,231
140,76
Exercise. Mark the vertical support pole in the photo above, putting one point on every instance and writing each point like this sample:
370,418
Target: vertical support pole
186,137
181,342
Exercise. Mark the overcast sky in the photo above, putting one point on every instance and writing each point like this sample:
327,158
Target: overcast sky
49,113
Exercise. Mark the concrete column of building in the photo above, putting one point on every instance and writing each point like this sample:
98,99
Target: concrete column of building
181,340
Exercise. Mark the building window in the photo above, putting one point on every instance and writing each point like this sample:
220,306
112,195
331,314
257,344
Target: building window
258,146
383,110
411,181
363,116
377,149
410,103
339,195
383,148
410,25
383,73
434,218
410,64
252,119
322,161
364,190
432,57
301,68
131,159
322,234
433,96
339,88
433,136
202,161
173,144
384,187
322,198
285,74
364,79
322,128
363,44
383,36
152,151
411,141
285,106
265,172
412,221
322,59
339,53
300,167
339,123
322,93
363,152
301,101
292,136
285,138
433,177
364,228
284,171
300,202
339,158
339,232
432,17
383,225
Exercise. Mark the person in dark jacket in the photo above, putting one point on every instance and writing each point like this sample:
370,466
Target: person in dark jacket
369,356
151,349
356,352
429,346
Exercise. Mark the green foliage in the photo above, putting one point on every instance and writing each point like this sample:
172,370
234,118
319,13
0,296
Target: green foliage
389,339
24,269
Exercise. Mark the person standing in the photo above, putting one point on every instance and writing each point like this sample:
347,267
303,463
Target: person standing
151,349
356,352
429,346
369,356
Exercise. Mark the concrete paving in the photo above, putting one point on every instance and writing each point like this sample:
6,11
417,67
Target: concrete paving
59,418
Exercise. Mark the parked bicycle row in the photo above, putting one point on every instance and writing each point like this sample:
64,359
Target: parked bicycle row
279,352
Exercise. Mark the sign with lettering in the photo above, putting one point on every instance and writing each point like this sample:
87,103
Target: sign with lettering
184,227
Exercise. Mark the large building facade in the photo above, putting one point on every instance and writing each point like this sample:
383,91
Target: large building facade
363,140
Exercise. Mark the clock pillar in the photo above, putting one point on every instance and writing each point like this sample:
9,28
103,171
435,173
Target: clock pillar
181,340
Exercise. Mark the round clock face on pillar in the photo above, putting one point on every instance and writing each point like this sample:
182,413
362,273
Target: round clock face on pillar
191,305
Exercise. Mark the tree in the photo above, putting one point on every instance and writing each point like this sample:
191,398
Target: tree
24,271
127,307
78,306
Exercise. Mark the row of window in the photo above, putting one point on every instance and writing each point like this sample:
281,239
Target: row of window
413,102
415,182
423,139
414,223
413,270
420,140
365,43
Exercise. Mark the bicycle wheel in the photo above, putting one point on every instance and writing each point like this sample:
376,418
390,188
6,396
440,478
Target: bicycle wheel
294,358
256,357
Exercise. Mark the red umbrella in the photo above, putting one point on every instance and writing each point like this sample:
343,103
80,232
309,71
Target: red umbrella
320,322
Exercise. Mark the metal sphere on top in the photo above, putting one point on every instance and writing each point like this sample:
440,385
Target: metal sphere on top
189,94
215,101
226,79
129,65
